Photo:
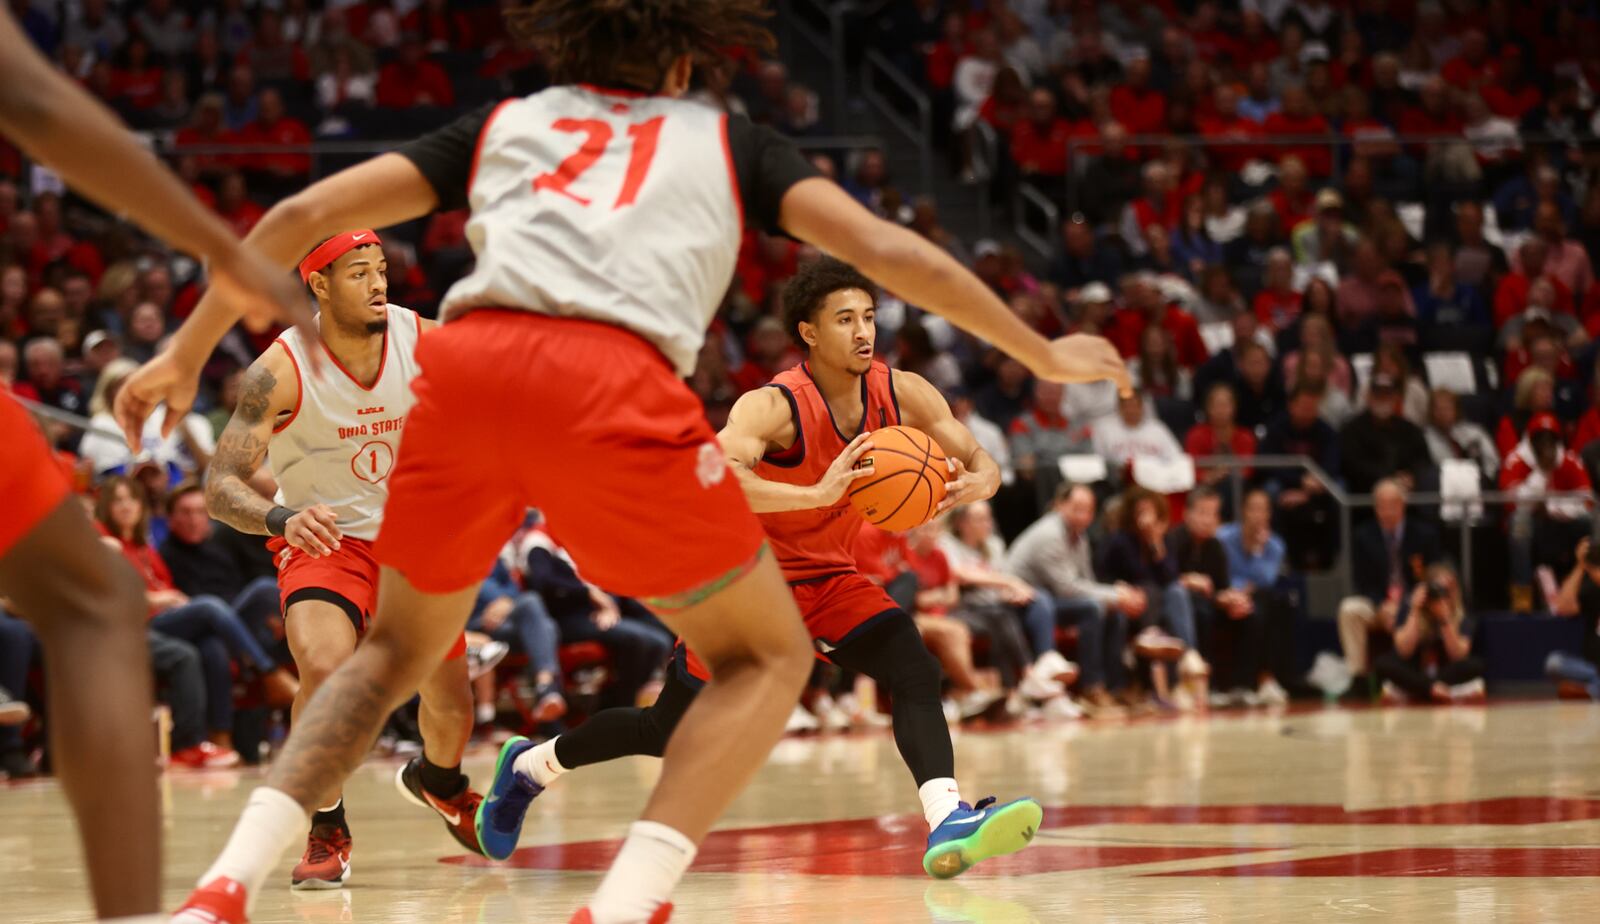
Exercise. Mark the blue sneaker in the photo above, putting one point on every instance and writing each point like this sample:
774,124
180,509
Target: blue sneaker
500,814
974,833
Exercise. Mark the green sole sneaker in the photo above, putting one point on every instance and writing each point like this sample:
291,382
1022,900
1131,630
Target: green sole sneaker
988,833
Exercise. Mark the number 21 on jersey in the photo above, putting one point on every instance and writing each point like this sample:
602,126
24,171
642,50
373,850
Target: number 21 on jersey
597,137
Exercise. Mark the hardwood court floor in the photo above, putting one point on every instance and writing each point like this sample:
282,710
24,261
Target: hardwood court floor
1419,815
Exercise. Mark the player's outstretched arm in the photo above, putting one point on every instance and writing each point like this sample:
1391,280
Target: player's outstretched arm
758,420
58,124
976,476
818,212
377,193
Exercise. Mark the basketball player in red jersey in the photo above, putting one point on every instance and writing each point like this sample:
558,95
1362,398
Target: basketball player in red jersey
794,445
83,599
331,441
604,246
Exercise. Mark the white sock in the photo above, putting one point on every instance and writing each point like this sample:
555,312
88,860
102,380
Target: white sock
336,803
939,798
540,763
643,875
270,823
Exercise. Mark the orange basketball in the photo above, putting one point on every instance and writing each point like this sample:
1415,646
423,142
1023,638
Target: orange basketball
909,472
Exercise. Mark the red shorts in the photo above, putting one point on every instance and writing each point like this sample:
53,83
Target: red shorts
31,481
836,609
586,422
350,574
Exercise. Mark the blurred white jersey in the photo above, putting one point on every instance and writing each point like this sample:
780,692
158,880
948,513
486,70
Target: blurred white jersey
338,445
601,204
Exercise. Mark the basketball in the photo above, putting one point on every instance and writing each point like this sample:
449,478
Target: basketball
909,472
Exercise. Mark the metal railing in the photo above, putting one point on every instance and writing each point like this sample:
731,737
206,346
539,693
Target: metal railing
1348,502
830,46
875,68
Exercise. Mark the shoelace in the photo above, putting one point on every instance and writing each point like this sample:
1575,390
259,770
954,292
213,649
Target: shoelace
983,803
321,849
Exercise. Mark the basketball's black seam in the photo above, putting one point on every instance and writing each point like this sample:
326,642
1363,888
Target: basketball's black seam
885,517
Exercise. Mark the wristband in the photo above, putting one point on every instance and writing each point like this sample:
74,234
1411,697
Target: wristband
278,520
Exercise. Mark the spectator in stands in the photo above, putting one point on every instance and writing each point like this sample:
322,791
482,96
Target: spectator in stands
1219,301
272,57
166,28
1218,435
1135,104
1358,292
1040,436
1257,383
1307,514
1136,554
1134,432
95,29
977,556
1577,676
204,568
274,128
235,206
240,105
1039,144
1277,305
1054,555
1534,394
1477,261
1326,237
1380,443
1223,615
1450,437
1566,260
1515,295
1154,370
1543,530
1447,303
1255,562
18,645
1147,305
412,80
205,622
1008,394
1193,250
1158,204
1260,102
1083,259
1298,118
1390,555
47,382
638,643
1432,658
506,613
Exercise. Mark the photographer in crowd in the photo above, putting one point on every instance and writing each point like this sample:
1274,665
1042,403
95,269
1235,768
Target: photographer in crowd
1432,657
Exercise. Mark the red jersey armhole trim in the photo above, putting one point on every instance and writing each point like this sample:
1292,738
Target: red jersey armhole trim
733,176
477,149
299,389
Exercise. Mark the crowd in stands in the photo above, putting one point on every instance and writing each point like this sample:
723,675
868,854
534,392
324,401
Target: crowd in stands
1360,232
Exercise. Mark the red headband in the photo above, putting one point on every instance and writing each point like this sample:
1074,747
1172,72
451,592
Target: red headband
333,248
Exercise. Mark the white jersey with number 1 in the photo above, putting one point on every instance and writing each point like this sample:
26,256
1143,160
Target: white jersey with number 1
338,444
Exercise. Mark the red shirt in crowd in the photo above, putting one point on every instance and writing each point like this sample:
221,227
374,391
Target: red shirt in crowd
1291,209
147,561
401,87
141,88
1511,297
1141,111
1460,72
189,136
1277,310
1127,326
1318,158
1203,441
285,132
243,217
1041,149
1512,104
1231,157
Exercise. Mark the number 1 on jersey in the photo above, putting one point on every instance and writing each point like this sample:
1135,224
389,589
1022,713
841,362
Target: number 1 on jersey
597,137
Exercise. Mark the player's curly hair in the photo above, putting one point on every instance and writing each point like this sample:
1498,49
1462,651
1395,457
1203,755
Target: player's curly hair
811,285
635,41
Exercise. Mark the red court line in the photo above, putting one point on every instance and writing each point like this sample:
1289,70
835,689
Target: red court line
1525,810
1427,862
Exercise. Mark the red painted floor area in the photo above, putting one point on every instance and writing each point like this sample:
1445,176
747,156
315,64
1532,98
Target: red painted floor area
1463,862
892,845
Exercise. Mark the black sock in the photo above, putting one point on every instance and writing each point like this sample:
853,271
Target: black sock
333,816
444,782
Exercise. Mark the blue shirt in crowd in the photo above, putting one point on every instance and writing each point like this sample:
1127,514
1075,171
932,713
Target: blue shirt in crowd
1251,570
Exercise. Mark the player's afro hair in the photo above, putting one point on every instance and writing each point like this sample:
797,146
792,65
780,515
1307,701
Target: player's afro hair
817,279
634,42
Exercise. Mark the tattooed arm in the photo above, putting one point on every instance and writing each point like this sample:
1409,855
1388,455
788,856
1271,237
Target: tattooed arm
268,389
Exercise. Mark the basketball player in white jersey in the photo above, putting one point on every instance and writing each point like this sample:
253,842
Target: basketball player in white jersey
330,441
606,220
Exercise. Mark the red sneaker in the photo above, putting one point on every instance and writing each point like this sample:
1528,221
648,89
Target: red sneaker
326,862
662,914
460,812
205,756
220,901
